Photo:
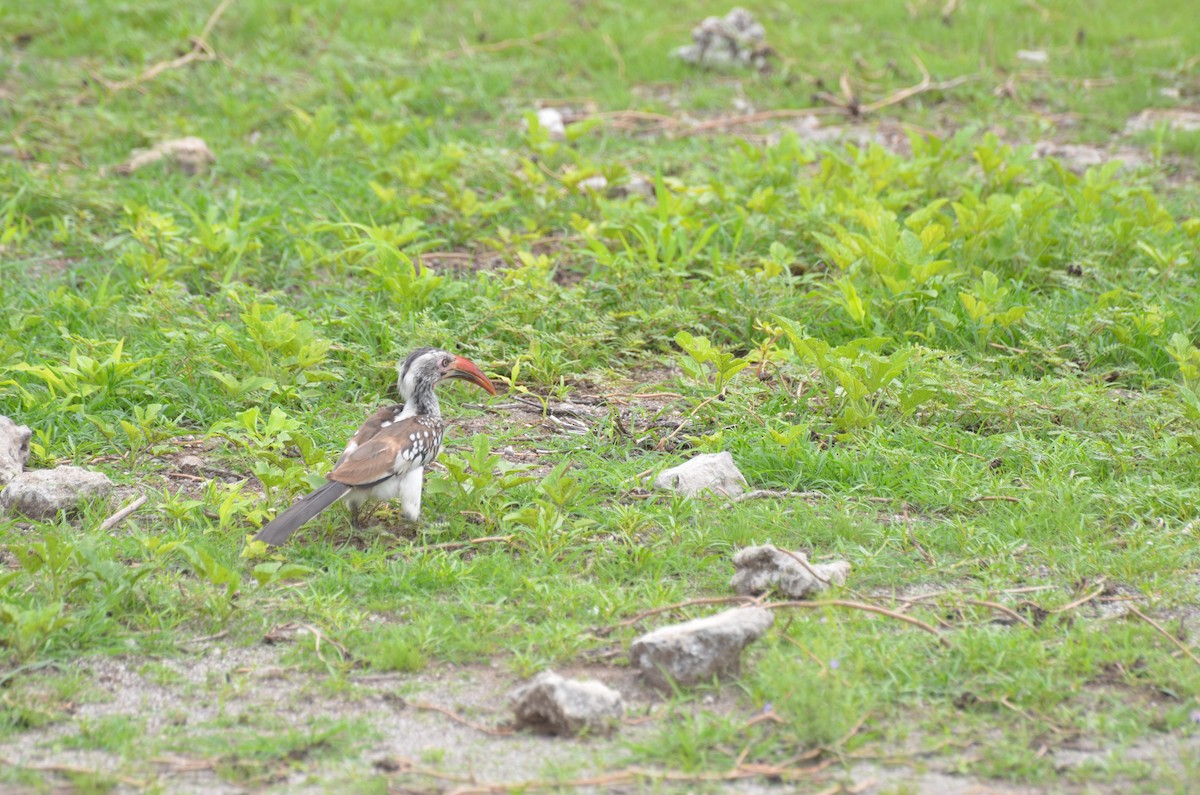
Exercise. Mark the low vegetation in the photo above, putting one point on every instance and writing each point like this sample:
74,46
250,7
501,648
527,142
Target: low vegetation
969,371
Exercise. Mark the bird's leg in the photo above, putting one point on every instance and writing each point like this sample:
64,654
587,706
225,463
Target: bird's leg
358,516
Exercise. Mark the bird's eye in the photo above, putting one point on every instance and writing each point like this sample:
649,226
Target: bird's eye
447,362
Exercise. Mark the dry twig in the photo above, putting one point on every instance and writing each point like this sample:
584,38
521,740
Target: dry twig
454,716
916,622
805,565
1008,611
630,775
616,54
1162,631
763,494
74,770
762,717
201,51
912,539
8,676
472,542
498,46
547,410
1029,589
1082,600
759,494
612,395
957,450
321,636
920,88
205,638
686,420
121,515
755,118
182,764
1036,719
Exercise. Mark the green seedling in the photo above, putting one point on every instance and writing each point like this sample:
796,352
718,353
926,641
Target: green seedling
706,364
985,305
857,378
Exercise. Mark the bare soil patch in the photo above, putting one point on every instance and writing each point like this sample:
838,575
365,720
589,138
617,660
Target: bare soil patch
425,729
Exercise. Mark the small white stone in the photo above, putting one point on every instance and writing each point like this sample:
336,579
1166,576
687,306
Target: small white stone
715,472
190,155
42,493
696,651
593,184
14,449
761,569
551,120
554,704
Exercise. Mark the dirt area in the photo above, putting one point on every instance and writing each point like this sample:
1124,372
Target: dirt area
225,686
188,701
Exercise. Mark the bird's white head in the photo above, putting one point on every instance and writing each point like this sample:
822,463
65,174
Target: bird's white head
424,369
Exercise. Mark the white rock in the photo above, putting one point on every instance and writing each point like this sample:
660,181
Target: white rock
1176,120
713,472
1081,157
190,155
42,493
553,704
635,185
1033,56
594,184
191,464
737,39
551,120
698,650
765,568
632,185
14,448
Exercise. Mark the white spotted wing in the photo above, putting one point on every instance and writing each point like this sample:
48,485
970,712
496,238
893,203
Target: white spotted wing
386,446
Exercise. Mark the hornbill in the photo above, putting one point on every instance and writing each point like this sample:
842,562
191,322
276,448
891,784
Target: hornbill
387,456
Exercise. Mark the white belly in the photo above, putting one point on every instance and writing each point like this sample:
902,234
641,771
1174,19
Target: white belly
406,487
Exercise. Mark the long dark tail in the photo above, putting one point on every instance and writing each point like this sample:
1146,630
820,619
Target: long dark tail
281,528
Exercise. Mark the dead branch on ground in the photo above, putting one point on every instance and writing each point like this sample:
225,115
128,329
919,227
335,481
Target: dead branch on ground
471,543
121,515
201,51
468,50
883,611
454,716
631,775
1162,631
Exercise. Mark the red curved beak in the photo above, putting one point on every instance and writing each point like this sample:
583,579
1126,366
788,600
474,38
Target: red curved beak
467,371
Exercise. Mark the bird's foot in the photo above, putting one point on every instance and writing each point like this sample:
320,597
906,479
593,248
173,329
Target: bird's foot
361,516
394,523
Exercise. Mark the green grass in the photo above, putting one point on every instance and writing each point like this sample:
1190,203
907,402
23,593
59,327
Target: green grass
988,362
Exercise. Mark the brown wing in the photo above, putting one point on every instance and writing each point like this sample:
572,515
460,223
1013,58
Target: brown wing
381,419
394,448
